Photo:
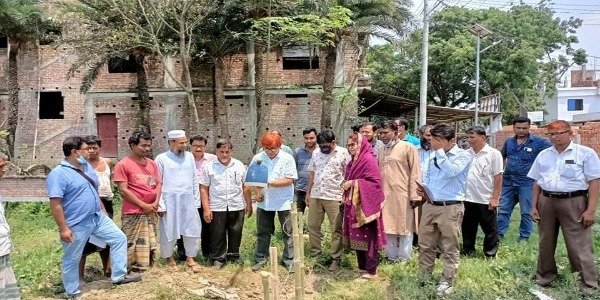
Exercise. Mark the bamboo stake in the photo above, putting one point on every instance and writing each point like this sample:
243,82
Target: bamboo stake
274,272
266,289
298,288
301,267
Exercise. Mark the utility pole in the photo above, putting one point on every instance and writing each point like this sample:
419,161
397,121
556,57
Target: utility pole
480,32
424,67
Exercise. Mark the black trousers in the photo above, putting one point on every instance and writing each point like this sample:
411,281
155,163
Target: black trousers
225,232
265,227
300,197
204,240
476,215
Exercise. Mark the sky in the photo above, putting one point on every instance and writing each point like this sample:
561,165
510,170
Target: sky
587,10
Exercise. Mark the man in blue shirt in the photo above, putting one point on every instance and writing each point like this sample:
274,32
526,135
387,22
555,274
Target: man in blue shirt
446,181
403,132
76,208
302,156
519,152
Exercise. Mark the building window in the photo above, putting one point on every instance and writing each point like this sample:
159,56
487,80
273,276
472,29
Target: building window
234,97
574,104
3,42
300,58
52,105
289,96
122,65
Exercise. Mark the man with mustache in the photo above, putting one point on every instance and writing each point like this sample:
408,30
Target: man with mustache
369,130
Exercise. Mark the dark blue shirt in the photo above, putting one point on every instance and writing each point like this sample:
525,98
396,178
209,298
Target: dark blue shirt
302,158
79,198
519,158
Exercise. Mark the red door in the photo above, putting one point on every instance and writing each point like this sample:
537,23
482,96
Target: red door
107,132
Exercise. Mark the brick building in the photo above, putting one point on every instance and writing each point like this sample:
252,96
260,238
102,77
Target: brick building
51,107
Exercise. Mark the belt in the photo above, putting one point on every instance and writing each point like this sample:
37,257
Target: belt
444,203
563,195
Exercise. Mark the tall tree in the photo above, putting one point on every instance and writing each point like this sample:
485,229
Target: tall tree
221,35
97,35
21,21
166,28
256,10
521,66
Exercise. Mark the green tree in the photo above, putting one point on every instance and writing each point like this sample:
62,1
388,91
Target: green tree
522,67
222,35
256,11
21,21
382,18
97,34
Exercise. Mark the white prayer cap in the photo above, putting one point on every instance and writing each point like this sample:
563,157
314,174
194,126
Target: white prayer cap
175,134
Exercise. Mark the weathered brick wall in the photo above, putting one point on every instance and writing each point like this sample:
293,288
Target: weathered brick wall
587,135
23,187
45,69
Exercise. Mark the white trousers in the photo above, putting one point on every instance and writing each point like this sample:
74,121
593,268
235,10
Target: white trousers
189,243
399,247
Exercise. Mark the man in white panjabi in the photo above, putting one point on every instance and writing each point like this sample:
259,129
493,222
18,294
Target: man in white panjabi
178,206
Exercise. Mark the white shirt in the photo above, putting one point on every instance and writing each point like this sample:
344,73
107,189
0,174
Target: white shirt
5,243
225,184
328,173
480,183
568,171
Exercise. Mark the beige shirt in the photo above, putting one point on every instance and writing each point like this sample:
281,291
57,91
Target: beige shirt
328,173
480,183
400,168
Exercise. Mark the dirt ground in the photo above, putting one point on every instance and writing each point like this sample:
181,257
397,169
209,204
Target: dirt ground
180,283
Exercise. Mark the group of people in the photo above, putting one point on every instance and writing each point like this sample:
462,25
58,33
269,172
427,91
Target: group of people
398,191
386,190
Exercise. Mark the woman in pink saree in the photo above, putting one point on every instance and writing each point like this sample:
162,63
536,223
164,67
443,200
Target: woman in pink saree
363,199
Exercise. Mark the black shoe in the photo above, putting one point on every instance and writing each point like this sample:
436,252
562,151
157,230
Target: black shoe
290,269
217,265
257,266
134,277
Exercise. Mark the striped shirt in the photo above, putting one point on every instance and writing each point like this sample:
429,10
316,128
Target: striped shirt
447,174
424,157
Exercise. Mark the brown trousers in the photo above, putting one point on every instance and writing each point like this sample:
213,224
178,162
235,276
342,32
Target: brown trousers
440,225
565,214
316,214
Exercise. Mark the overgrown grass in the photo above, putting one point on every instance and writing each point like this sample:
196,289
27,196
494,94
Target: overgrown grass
36,262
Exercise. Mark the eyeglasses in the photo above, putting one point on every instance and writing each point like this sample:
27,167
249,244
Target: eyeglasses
556,134
272,149
385,132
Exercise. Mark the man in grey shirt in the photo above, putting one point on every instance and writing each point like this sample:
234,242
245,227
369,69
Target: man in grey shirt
302,156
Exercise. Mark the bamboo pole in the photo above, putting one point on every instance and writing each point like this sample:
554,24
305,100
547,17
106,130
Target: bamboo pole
266,289
301,266
274,272
298,288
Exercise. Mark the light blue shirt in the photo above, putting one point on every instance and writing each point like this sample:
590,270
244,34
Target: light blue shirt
282,166
79,198
447,174
415,141
424,159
